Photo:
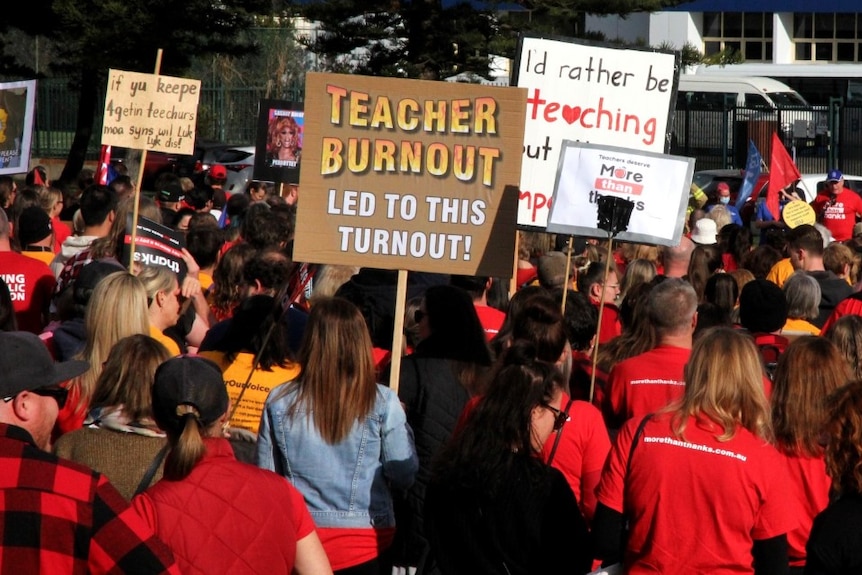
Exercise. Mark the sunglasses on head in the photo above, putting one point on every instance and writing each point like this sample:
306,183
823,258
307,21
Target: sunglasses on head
60,395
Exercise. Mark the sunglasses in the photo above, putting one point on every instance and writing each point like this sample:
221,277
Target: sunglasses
60,395
560,417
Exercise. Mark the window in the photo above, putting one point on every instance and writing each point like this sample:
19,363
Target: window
750,33
826,37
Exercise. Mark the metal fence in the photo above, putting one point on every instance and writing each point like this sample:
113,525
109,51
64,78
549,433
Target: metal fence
224,114
818,138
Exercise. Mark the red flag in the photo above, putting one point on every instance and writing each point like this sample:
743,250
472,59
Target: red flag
782,171
104,162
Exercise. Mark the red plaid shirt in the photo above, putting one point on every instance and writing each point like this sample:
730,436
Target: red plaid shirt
60,517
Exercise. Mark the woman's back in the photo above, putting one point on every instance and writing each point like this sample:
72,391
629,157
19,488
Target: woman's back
697,503
227,516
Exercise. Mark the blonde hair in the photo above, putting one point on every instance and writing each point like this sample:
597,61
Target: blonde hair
48,198
156,279
337,380
117,309
724,384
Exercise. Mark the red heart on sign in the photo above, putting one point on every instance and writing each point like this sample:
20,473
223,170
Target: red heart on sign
571,113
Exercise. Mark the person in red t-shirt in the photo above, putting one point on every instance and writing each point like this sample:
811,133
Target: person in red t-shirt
798,414
698,481
647,382
478,286
593,283
838,207
31,283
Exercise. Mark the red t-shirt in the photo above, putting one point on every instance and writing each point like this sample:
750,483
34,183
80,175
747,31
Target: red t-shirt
645,383
611,326
847,306
809,495
491,319
31,285
581,452
696,505
840,217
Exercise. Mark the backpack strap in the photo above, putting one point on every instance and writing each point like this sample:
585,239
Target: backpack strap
638,432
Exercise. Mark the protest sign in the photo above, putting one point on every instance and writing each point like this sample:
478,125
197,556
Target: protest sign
278,145
585,92
657,184
156,245
150,112
17,104
410,174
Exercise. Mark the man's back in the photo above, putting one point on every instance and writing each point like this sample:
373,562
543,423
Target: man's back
60,517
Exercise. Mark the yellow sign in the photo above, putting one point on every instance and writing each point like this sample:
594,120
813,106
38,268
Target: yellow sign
150,112
797,213
410,174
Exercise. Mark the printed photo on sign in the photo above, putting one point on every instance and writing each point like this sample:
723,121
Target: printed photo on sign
279,141
17,105
657,184
580,91
409,174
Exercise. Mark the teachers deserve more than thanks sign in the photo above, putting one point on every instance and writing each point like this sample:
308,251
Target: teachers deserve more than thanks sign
410,174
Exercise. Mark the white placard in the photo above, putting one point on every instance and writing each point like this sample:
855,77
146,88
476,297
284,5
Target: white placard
658,184
597,94
17,106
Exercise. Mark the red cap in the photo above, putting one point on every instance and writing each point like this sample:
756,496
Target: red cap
722,186
218,171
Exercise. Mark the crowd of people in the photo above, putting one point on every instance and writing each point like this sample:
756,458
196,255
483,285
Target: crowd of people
688,409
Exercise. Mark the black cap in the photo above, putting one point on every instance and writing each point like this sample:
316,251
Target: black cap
25,364
34,225
172,192
188,380
762,307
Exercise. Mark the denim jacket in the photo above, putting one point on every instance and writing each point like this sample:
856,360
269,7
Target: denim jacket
345,485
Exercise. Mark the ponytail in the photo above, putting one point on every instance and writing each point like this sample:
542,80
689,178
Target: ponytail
188,448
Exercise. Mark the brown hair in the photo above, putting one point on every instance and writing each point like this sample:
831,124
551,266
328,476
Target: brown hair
846,334
128,375
337,379
799,393
844,432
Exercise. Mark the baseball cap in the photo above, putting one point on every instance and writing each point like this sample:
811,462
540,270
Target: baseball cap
722,186
172,192
26,364
34,225
834,175
90,276
218,171
188,380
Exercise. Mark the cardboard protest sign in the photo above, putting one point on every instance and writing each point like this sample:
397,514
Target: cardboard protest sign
657,184
17,105
278,145
156,245
585,92
151,112
410,174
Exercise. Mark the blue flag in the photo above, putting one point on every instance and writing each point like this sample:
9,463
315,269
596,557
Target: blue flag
752,172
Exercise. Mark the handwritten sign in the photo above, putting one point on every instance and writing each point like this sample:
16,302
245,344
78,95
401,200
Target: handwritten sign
17,104
409,174
583,92
797,213
150,112
658,185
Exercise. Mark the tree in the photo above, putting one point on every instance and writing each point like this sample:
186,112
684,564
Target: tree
88,37
408,39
